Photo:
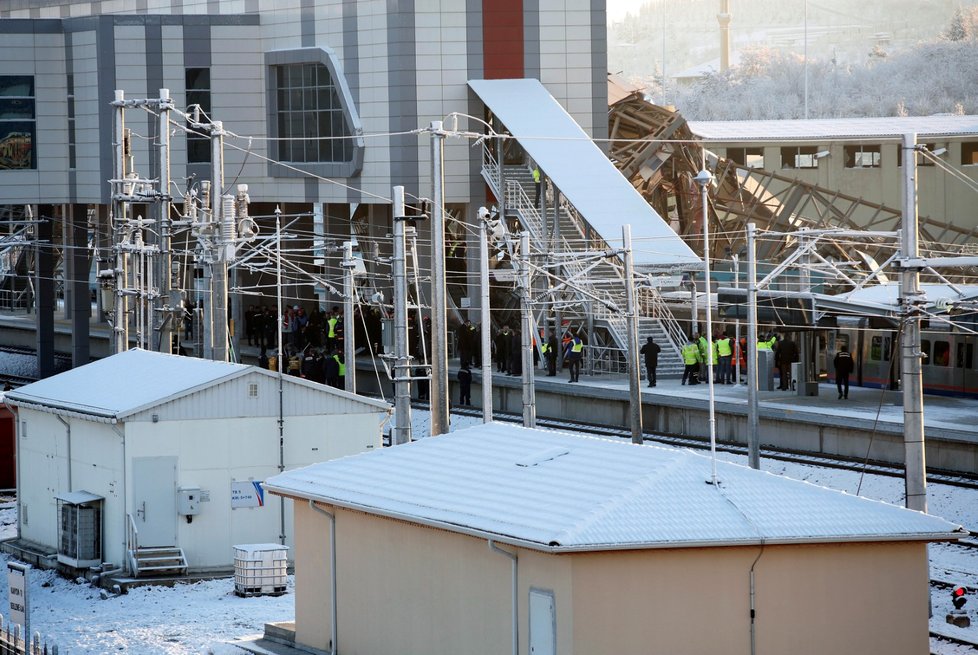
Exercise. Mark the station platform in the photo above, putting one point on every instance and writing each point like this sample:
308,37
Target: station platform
869,424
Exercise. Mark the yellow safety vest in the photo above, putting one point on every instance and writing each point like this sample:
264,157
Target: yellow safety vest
723,347
536,175
341,364
332,327
578,346
545,349
764,345
691,353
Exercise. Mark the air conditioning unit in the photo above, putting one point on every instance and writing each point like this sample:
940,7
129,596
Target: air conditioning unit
79,529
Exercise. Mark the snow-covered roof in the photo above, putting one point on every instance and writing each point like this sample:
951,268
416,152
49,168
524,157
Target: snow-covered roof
884,299
565,492
925,127
582,172
131,381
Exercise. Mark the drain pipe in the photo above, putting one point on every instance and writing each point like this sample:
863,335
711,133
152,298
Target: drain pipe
515,560
753,613
68,439
332,569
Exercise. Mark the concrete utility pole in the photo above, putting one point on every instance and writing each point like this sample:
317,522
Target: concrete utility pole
724,19
526,338
349,297
753,438
439,306
631,315
486,332
401,432
219,264
120,327
164,309
910,295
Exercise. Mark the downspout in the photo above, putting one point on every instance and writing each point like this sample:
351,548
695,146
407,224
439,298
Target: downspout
17,458
332,569
126,497
753,613
68,438
515,560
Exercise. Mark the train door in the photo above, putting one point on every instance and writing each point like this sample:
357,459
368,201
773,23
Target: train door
964,362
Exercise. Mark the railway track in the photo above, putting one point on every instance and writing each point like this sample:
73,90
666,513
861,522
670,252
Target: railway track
796,457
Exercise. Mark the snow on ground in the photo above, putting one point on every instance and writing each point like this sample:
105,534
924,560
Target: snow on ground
202,617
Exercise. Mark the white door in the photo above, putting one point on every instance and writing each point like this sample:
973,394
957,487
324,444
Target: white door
154,507
543,623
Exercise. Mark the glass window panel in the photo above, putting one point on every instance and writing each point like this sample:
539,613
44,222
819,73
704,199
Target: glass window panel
322,98
198,78
335,100
283,100
309,99
942,353
876,349
16,109
309,75
16,85
16,145
295,99
202,98
886,349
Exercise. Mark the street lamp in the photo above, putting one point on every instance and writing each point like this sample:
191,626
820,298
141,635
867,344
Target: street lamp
704,178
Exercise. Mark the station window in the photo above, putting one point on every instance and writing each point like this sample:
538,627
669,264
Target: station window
969,154
311,123
862,156
921,159
879,349
966,355
942,353
799,157
925,351
72,149
749,157
18,127
199,94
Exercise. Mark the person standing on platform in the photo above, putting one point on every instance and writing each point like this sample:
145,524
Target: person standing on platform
464,385
724,347
692,359
573,356
651,351
787,354
843,367
503,342
550,352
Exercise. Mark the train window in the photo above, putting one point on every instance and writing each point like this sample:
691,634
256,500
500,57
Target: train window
925,351
842,341
879,349
966,353
942,353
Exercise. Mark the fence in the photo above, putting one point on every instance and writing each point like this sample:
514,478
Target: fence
12,643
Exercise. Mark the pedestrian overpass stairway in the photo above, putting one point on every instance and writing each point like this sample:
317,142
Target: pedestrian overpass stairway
587,287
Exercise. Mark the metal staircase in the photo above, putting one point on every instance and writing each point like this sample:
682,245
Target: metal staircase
152,560
592,287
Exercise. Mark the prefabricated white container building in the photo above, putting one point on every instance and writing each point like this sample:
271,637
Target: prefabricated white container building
176,448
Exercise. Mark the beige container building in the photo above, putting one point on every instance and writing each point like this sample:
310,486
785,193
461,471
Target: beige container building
499,539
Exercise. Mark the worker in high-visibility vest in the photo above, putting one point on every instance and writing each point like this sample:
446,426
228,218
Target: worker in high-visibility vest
332,319
536,185
725,356
574,355
550,354
692,359
341,379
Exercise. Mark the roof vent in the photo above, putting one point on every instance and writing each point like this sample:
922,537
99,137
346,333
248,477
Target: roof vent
534,459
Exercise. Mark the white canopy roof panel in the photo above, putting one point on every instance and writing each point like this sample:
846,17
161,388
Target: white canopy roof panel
583,173
925,127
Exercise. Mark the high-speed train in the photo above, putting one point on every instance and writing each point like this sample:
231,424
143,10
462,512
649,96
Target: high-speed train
949,364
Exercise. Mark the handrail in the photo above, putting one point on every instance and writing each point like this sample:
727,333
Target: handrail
132,543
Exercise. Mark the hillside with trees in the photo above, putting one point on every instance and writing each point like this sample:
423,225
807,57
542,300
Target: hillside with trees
931,77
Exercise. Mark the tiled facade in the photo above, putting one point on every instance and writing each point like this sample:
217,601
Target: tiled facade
405,64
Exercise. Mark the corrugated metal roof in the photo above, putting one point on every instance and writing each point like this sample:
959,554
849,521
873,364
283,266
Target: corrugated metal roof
134,380
559,491
583,173
836,128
